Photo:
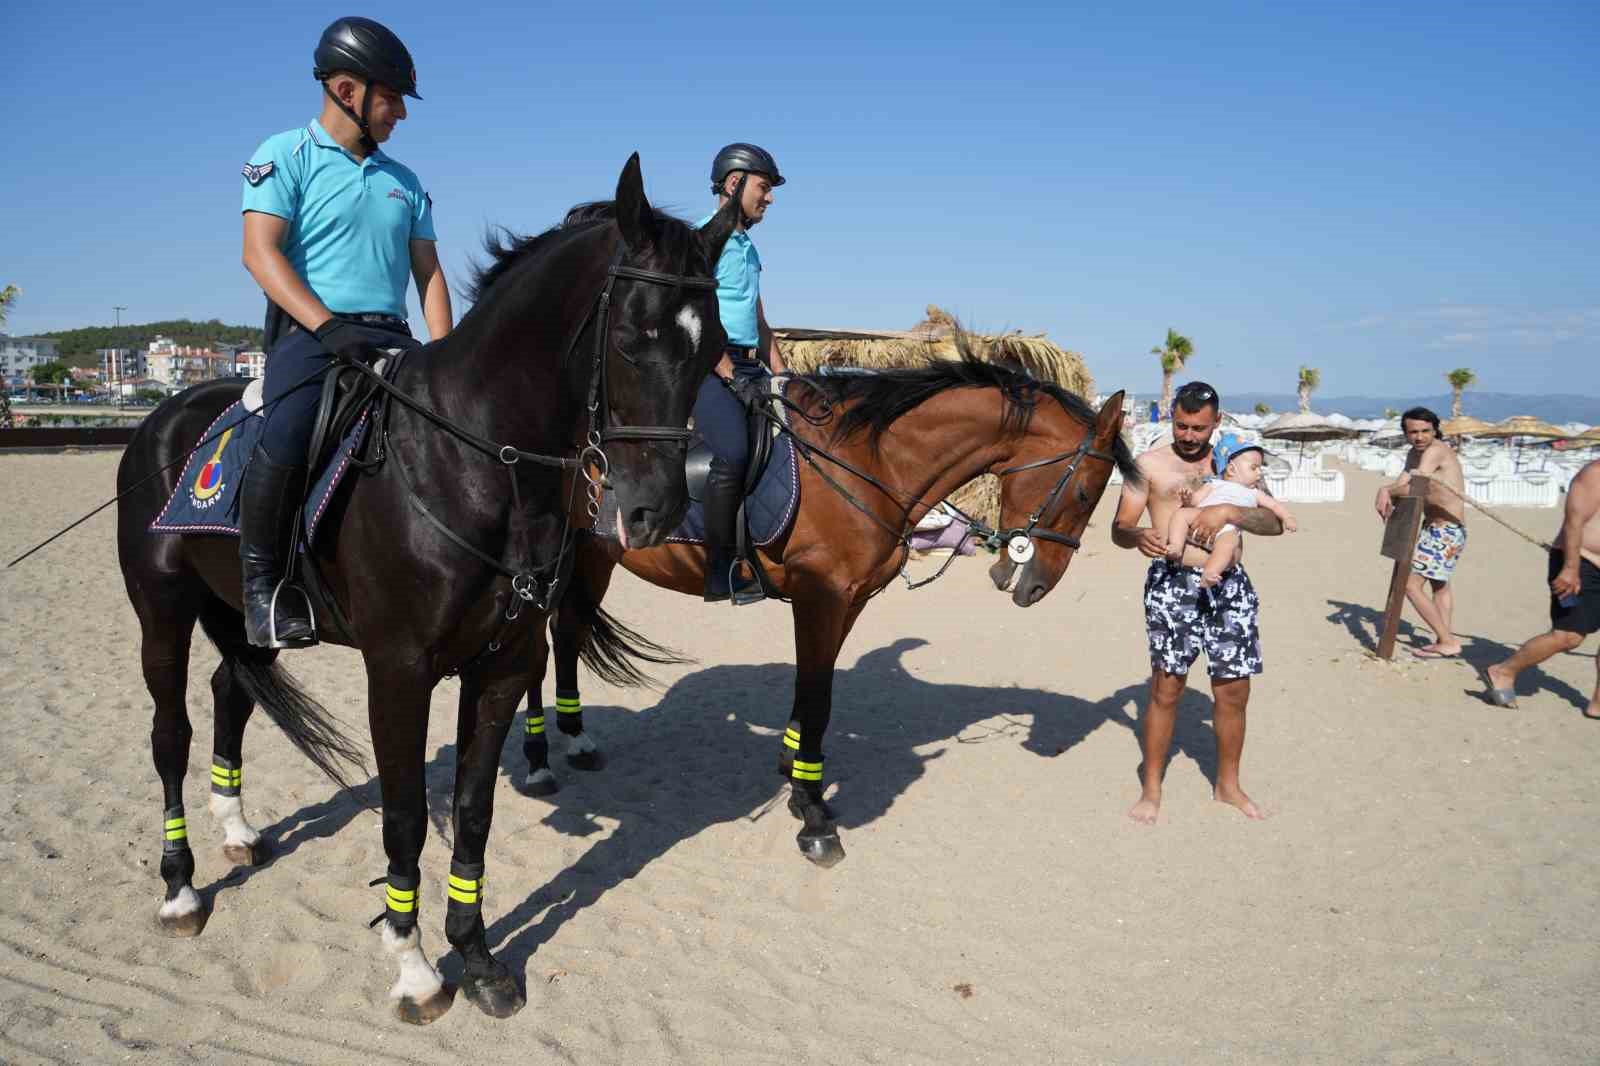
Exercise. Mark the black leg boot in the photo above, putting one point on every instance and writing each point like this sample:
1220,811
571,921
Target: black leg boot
268,500
726,578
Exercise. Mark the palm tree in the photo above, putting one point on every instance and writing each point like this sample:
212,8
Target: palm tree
1459,379
7,296
1173,355
1262,408
1310,378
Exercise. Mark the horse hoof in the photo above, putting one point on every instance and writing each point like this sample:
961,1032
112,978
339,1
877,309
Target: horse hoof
423,1011
823,849
541,783
183,925
247,854
498,996
586,760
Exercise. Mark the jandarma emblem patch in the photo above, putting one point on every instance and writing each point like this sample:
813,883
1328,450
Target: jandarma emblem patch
208,483
256,173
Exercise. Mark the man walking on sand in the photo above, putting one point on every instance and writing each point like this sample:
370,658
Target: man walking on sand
1574,594
1444,532
1181,618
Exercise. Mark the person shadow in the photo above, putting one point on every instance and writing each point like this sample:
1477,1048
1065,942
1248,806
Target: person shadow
707,754
1366,623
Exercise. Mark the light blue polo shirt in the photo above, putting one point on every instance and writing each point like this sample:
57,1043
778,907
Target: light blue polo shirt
738,288
351,223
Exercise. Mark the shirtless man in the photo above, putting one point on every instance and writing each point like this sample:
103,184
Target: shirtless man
1574,594
1444,532
1181,618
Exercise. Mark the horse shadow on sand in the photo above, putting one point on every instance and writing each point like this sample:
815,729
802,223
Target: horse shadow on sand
707,754
1365,624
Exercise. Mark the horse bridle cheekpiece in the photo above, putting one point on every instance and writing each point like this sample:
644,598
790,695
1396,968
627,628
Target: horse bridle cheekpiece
1018,542
599,401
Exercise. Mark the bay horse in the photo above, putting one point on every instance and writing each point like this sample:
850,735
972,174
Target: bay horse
879,449
598,330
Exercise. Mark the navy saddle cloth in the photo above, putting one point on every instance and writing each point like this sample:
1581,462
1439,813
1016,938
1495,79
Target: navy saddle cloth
207,497
769,510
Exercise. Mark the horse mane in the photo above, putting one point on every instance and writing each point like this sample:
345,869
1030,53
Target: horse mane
878,398
506,249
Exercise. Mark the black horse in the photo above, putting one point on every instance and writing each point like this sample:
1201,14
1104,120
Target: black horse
593,335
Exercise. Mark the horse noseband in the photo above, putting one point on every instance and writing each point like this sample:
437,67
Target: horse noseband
1019,542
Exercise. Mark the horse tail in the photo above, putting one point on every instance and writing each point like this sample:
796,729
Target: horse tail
611,649
306,723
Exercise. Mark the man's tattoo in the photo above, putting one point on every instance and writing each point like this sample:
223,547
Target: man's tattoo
1261,522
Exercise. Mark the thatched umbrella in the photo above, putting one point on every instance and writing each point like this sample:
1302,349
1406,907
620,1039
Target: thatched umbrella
1523,426
806,350
1306,426
1465,426
1589,438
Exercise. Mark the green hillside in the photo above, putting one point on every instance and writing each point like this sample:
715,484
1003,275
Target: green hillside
78,345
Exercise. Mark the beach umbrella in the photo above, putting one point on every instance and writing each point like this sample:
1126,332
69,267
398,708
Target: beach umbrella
1465,426
1306,426
1522,426
1589,438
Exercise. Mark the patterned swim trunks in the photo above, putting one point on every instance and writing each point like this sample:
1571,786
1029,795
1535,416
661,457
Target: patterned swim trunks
1182,620
1438,550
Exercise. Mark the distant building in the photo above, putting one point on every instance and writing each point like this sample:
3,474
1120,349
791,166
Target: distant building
178,366
121,364
18,355
246,363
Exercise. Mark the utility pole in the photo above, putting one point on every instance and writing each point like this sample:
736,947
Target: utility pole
118,308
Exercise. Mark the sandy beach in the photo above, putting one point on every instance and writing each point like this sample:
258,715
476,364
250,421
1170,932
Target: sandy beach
1422,893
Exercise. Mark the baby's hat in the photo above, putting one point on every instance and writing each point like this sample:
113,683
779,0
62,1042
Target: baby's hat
1228,446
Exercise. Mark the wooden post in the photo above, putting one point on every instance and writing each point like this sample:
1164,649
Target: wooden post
1400,544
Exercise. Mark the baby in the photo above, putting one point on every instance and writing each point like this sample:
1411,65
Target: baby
1239,464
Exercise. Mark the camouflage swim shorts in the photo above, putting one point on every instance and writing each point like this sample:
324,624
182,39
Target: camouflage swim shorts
1182,620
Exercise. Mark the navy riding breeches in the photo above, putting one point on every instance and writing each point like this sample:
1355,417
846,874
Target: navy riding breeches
721,420
289,419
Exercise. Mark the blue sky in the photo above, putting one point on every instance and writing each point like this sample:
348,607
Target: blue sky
1383,194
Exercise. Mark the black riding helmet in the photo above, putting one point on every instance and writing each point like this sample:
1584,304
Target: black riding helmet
368,50
746,157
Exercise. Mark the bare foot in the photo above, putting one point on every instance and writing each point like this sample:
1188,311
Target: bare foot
1593,710
1235,797
1437,650
1499,676
1144,812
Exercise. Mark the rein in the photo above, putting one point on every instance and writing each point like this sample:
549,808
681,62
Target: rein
1017,541
525,582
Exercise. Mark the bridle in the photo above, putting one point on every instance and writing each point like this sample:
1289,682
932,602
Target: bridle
1019,541
526,583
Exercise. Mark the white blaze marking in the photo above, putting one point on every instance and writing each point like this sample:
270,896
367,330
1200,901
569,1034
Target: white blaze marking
230,812
418,979
691,325
622,530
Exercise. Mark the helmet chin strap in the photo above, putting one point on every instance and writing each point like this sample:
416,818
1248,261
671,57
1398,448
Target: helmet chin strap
738,198
360,120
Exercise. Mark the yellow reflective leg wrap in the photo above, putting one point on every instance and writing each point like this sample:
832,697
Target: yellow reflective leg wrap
568,704
807,771
174,830
400,901
226,776
535,723
466,888
791,738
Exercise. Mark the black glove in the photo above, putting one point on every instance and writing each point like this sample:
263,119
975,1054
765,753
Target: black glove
748,389
352,342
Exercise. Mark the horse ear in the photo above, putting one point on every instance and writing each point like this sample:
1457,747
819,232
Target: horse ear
635,217
720,228
1108,423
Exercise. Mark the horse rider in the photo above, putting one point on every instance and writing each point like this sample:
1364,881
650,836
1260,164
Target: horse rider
749,172
333,226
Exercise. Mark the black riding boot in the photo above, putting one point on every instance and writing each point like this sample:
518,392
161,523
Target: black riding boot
268,500
725,576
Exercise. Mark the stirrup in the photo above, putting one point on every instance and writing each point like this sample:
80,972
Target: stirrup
273,640
750,593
